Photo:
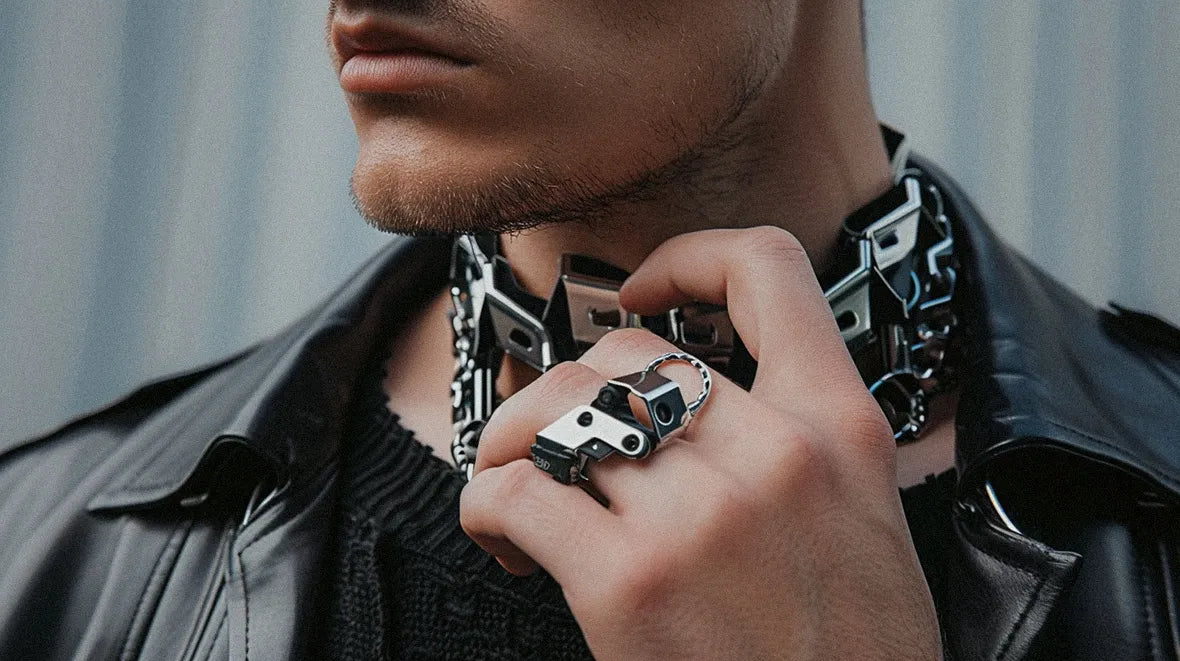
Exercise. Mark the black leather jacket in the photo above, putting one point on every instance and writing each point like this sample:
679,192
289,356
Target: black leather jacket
190,519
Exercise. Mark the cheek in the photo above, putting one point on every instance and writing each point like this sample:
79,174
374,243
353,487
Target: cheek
617,87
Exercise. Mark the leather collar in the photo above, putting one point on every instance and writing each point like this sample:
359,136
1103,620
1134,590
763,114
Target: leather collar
1043,369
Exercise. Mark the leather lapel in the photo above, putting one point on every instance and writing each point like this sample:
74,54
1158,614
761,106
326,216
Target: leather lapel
282,402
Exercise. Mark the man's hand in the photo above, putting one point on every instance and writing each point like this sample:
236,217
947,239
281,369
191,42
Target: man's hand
771,529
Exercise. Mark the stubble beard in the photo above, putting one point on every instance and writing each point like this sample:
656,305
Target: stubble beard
536,194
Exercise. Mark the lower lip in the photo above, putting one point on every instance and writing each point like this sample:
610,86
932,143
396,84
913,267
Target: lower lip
397,72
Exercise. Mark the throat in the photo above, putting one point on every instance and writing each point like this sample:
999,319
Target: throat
419,373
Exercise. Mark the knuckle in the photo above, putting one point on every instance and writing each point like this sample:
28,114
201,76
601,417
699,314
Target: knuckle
567,378
868,429
798,463
644,583
638,341
496,433
728,505
496,499
868,423
775,243
514,483
477,502
494,427
563,381
472,506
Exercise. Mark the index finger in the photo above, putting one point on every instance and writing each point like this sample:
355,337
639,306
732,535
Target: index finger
775,302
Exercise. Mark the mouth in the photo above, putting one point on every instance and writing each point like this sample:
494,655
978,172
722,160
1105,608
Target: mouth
377,54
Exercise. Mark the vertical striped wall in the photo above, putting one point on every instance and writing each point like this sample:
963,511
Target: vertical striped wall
173,176
1061,118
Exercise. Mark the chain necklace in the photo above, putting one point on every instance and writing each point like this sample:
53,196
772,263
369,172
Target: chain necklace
891,289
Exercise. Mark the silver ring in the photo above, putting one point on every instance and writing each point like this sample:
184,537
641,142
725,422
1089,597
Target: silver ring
607,426
681,357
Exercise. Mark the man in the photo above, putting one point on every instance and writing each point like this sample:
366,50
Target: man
271,506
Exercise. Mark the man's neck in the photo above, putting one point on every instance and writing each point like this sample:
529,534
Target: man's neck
811,153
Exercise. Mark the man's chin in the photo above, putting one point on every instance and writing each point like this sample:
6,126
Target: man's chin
481,196
430,211
512,202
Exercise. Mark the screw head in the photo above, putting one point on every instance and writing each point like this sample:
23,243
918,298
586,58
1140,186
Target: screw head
631,443
663,413
607,397
585,419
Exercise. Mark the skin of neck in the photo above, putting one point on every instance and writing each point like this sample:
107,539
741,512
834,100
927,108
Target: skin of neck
811,154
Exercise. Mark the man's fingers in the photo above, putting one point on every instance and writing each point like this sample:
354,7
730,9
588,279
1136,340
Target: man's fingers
513,427
521,515
765,278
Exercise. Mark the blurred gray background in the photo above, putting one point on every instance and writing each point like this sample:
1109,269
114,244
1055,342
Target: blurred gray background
173,176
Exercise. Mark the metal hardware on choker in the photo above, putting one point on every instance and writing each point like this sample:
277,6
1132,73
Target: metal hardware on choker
493,316
891,288
608,426
894,305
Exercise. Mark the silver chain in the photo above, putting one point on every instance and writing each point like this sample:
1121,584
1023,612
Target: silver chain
702,369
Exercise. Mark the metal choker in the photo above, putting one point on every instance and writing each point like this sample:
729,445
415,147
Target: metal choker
891,288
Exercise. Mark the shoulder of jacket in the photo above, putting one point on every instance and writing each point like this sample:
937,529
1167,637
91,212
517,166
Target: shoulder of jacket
122,416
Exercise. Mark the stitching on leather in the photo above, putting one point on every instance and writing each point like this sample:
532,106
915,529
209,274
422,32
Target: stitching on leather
1042,580
161,568
1149,628
245,602
213,591
1167,572
1024,612
216,635
295,498
125,652
246,591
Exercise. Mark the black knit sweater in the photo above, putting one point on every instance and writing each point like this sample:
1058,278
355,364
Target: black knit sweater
405,582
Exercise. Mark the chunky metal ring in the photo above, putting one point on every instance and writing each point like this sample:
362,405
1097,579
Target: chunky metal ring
607,425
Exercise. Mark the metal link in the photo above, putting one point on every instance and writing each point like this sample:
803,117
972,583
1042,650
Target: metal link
706,376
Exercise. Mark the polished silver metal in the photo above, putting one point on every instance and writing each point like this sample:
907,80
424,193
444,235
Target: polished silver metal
608,425
661,398
704,331
487,323
592,305
907,340
998,509
895,234
473,386
706,376
585,427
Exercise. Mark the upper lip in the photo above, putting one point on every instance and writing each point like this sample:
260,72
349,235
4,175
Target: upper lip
374,33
